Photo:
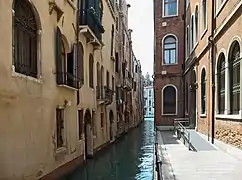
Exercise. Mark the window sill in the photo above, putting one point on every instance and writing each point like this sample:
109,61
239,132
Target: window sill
36,80
68,87
203,115
228,116
71,3
169,114
203,33
219,10
61,150
174,64
170,16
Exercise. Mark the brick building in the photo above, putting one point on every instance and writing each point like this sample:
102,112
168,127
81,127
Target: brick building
211,68
169,57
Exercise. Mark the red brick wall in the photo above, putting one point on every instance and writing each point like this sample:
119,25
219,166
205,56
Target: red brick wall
164,26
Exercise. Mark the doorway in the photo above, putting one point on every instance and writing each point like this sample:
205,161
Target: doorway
88,134
193,115
111,125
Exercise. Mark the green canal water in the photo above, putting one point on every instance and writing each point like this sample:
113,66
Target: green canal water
131,158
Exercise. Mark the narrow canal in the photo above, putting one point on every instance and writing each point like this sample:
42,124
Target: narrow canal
129,159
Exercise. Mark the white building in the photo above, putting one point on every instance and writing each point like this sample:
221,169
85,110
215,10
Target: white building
149,101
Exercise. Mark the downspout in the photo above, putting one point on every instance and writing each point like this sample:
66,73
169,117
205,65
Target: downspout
183,64
211,40
77,41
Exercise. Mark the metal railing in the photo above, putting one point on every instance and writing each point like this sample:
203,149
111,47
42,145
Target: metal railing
181,131
158,161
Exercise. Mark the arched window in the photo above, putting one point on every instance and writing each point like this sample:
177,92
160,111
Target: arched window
203,92
192,33
170,50
204,14
196,25
25,39
170,7
234,73
221,83
169,100
91,62
187,41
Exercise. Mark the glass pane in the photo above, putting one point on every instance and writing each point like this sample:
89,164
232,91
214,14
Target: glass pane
170,9
173,56
166,57
170,46
170,39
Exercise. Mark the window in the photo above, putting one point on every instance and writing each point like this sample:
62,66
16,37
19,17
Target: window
234,73
116,62
59,128
203,92
80,123
25,39
192,34
170,50
186,97
221,83
196,25
187,41
107,79
102,120
135,84
169,100
91,62
150,109
170,7
112,83
69,67
204,14
149,102
112,36
149,93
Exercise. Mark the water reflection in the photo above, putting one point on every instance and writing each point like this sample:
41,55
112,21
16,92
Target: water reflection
130,159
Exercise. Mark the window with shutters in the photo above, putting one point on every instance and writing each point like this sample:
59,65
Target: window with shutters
234,74
60,128
25,39
169,100
91,63
69,66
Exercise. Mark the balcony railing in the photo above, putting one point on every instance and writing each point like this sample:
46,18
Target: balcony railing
68,79
89,17
128,84
104,94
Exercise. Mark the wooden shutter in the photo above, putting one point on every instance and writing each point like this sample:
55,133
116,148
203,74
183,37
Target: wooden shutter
59,75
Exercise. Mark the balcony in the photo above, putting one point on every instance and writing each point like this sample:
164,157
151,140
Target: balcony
104,95
67,79
91,26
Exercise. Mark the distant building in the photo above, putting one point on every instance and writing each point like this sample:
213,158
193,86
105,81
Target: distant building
148,97
149,101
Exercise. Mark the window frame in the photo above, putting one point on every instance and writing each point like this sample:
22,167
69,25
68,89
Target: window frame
163,9
169,49
203,95
176,99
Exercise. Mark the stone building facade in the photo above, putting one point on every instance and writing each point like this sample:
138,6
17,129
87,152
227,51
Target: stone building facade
57,86
212,68
168,60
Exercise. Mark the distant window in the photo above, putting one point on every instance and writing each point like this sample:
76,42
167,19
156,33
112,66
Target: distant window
170,7
80,123
204,14
59,128
203,92
149,93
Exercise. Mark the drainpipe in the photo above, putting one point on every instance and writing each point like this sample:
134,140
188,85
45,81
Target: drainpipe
77,41
211,40
183,64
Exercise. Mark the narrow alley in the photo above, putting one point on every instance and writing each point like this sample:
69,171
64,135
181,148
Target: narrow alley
131,158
